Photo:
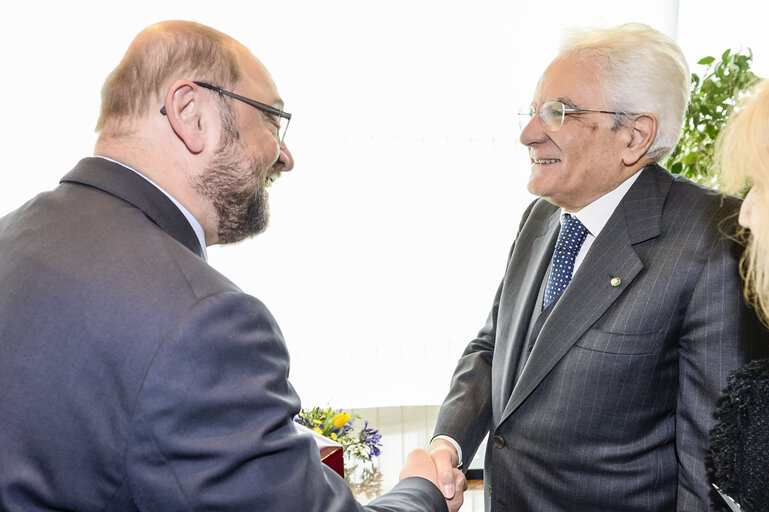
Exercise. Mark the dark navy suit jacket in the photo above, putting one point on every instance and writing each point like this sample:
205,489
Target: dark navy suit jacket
133,376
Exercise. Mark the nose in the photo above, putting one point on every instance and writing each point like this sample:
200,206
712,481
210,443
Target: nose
285,159
532,133
746,210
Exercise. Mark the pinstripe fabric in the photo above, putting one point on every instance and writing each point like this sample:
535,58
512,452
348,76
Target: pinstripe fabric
612,408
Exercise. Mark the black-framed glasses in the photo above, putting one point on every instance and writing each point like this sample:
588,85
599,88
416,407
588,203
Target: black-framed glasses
553,113
281,123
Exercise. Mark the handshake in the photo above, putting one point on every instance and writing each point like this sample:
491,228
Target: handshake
439,465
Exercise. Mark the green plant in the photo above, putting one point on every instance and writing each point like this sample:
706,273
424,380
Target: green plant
712,98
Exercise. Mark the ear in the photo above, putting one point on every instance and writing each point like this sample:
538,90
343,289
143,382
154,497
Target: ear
643,131
184,110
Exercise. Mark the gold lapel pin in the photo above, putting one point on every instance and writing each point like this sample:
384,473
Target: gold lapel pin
615,281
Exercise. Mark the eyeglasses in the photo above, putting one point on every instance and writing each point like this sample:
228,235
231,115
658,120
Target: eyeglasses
553,114
281,123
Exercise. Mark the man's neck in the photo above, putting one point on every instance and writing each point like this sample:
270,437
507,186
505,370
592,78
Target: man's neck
175,176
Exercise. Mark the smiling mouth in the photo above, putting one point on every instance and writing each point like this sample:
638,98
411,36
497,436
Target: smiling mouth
544,161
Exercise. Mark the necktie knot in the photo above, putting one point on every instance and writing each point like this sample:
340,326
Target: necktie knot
570,239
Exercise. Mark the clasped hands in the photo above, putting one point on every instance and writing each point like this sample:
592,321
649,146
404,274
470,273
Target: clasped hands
439,465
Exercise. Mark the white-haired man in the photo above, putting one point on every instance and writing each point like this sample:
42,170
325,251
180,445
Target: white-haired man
620,313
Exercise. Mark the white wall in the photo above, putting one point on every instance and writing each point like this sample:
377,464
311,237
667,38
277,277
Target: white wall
389,238
708,27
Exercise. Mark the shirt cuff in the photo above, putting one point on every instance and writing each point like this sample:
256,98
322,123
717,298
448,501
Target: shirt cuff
454,443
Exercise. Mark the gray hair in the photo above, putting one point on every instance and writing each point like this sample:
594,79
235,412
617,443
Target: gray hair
641,70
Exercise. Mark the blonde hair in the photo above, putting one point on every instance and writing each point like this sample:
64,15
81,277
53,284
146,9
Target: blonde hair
162,53
641,70
742,159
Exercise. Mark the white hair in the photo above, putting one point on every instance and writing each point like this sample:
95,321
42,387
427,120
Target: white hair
641,70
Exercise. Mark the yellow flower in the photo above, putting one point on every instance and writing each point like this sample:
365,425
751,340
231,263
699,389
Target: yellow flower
340,419
333,436
319,431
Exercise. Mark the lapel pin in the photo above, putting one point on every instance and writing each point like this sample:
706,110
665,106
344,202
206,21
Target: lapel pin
615,281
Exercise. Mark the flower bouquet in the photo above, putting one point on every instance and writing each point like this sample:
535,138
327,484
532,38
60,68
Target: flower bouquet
338,425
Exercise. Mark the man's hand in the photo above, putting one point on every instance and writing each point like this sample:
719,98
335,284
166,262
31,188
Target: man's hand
460,484
446,459
419,463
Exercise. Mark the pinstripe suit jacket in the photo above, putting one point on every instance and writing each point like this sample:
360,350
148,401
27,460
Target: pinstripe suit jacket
612,408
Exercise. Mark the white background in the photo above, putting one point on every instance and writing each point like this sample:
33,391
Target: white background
389,238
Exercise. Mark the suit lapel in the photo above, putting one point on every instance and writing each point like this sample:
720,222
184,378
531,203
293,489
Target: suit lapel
592,290
121,182
535,245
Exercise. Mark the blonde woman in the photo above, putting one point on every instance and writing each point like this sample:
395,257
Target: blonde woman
739,443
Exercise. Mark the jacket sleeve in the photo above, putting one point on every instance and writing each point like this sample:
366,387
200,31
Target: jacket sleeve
213,426
466,412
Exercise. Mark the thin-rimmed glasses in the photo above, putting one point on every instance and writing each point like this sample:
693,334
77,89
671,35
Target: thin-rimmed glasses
553,113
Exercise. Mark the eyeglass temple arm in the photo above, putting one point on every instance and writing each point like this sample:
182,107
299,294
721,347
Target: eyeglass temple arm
268,108
589,110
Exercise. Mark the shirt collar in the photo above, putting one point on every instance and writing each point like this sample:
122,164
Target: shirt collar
595,215
196,227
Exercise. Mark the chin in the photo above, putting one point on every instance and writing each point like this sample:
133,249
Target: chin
536,187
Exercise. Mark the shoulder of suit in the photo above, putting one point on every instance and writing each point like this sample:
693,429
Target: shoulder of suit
710,199
541,209
698,197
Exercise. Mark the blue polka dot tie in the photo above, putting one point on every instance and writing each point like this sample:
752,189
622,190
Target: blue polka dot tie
570,239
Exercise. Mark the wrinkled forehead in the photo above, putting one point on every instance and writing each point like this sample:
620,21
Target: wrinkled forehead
572,79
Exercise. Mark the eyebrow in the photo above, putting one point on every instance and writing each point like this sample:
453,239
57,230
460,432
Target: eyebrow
566,101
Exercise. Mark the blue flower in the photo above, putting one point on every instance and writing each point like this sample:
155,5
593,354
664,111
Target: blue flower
338,425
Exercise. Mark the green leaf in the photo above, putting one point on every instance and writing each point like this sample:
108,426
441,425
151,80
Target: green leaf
713,92
695,79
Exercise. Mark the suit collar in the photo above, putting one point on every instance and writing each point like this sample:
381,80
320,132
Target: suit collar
595,215
642,207
591,292
114,179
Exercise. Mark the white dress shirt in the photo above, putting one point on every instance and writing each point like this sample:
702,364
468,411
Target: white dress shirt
595,215
196,227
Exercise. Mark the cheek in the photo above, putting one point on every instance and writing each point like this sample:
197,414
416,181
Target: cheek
263,152
747,210
744,216
269,152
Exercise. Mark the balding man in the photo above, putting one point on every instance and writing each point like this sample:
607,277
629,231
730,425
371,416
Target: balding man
133,376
